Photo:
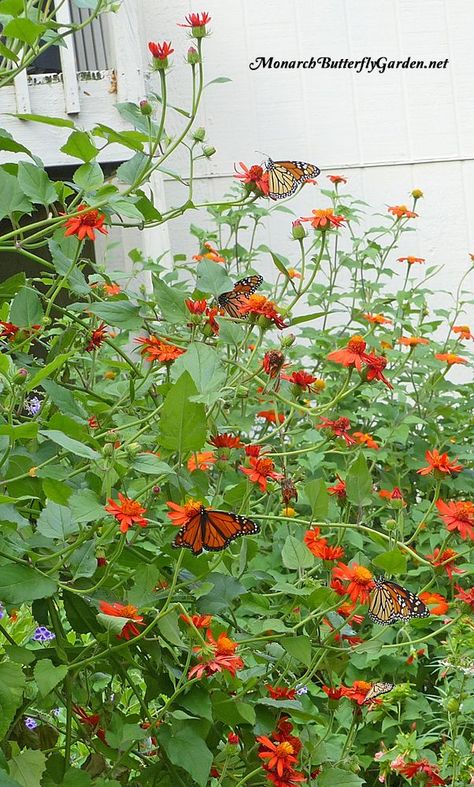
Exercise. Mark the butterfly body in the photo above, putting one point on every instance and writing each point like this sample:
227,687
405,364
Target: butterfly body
284,177
391,603
233,300
213,530
376,690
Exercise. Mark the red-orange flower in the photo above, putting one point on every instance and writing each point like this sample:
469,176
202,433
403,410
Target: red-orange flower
253,450
197,20
340,428
280,754
9,330
201,461
293,273
181,515
338,489
112,289
196,307
357,692
359,581
375,366
366,439
412,260
84,226
445,560
225,441
128,512
258,305
439,463
123,611
467,596
156,350
271,417
392,494
260,470
336,179
377,319
458,515
450,358
160,51
210,254
346,611
301,378
464,331
412,341
289,777
280,692
255,176
402,212
351,355
222,657
198,621
319,546
324,219
423,768
91,719
440,604
97,337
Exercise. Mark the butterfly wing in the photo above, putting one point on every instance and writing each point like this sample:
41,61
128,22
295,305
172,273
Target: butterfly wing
376,690
233,301
391,603
284,177
213,530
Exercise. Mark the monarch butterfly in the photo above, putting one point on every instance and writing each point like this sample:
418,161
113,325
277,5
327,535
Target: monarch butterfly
390,603
284,177
233,301
213,530
376,690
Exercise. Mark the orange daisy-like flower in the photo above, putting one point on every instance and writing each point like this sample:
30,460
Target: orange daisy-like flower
156,350
97,338
412,341
464,331
425,769
445,560
351,355
375,367
254,176
258,305
112,289
280,754
181,515
402,212
336,179
450,358
338,489
377,319
346,609
201,461
412,260
127,511
458,515
196,307
197,20
222,657
324,219
439,463
467,596
225,441
271,417
302,379
340,428
261,469
281,692
84,226
123,611
440,604
319,546
366,439
198,621
210,254
359,581
357,692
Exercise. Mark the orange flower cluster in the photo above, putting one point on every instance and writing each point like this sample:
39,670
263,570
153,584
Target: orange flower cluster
319,546
357,692
156,350
217,656
259,306
255,178
280,753
354,354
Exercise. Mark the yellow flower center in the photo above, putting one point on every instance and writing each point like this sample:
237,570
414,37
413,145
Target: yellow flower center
192,507
362,575
129,611
356,344
284,749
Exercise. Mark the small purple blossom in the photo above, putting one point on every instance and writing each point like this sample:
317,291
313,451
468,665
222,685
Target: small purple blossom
42,634
30,723
301,689
2,611
33,405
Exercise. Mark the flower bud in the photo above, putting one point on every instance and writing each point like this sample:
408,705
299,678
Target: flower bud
146,108
193,56
208,151
156,490
199,134
20,376
241,392
391,524
288,340
233,739
417,194
108,449
297,230
110,375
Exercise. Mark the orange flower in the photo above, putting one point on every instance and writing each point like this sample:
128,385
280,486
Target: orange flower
258,305
84,226
412,260
254,177
464,331
324,219
293,273
280,755
336,179
8,330
346,609
467,596
358,578
441,605
260,470
91,719
375,366
196,307
450,358
128,512
338,489
366,439
224,645
209,254
319,546
271,416
340,428
301,379
357,692
377,319
412,341
156,350
445,560
439,463
280,692
222,657
112,289
458,515
351,355
160,51
123,611
97,337
181,515
198,621
201,461
402,212
225,441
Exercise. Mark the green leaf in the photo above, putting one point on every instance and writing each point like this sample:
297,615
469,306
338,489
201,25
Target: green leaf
332,776
85,506
84,560
36,184
198,702
19,431
89,176
295,554
204,365
393,562
318,498
79,145
55,521
121,314
12,199
306,317
8,143
50,121
28,767
359,482
146,579
80,615
182,422
62,263
10,287
170,301
186,749
131,171
26,309
23,30
56,491
59,361
299,648
11,7
132,114
279,264
169,628
212,277
225,590
149,464
12,684
73,446
47,676
64,399
21,583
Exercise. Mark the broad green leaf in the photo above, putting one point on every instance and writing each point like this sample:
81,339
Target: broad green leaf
81,616
62,262
225,590
24,30
10,287
19,431
85,506
36,184
28,767
55,521
198,702
393,562
170,302
50,121
182,422
20,583
186,749
64,399
336,776
26,309
132,114
146,579
149,464
318,498
212,277
204,365
47,676
12,199
84,560
295,554
47,370
57,491
121,314
89,176
168,627
73,446
12,684
11,7
359,482
298,647
8,143
132,170
79,145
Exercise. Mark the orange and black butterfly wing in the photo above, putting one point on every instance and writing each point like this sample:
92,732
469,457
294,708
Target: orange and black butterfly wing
284,177
377,690
233,300
191,535
391,603
213,530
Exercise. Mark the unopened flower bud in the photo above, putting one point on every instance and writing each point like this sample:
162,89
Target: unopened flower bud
297,230
156,490
391,524
417,194
199,134
208,151
242,392
288,340
193,56
145,107
20,376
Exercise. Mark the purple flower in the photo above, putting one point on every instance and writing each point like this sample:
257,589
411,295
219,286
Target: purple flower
33,405
42,634
2,611
301,689
30,723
